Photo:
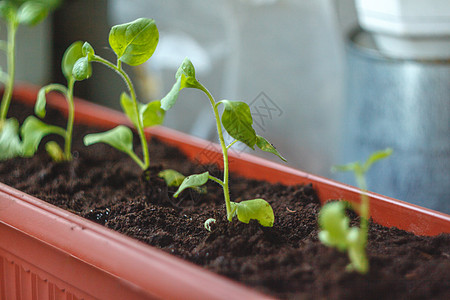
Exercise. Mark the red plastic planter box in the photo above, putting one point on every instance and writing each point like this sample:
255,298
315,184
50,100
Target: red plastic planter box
49,253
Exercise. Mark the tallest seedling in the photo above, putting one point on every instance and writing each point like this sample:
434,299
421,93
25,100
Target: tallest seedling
133,43
15,13
237,121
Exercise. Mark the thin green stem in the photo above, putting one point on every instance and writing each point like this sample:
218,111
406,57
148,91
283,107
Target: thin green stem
118,69
10,53
137,160
231,144
70,120
226,191
217,180
364,208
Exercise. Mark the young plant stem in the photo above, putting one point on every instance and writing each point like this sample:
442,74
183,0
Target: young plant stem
118,69
224,184
364,208
10,54
70,120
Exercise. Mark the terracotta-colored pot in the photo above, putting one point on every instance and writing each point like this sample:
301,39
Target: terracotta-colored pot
49,253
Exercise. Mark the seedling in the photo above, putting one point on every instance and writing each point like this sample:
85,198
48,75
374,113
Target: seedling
334,224
237,121
33,130
15,13
133,43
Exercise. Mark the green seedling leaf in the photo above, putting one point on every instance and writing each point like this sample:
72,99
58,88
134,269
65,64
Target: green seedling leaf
195,180
152,114
379,155
264,145
237,121
353,167
41,102
32,13
128,108
87,50
187,69
134,42
82,69
360,168
119,137
71,56
33,130
10,144
185,77
169,100
255,209
172,177
55,151
334,225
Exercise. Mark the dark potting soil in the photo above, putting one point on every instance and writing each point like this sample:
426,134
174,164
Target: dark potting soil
286,261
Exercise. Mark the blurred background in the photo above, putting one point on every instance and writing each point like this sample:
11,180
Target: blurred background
320,88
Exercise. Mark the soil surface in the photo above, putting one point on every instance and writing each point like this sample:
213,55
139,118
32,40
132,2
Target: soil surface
286,261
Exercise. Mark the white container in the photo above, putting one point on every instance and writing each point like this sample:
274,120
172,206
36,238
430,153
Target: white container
411,29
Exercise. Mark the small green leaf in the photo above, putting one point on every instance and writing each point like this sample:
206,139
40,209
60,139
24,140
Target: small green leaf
119,137
87,50
41,102
192,181
33,130
55,151
334,225
72,54
169,100
376,156
185,77
152,114
10,144
134,42
128,107
172,177
186,68
353,167
82,69
264,145
255,209
237,120
32,13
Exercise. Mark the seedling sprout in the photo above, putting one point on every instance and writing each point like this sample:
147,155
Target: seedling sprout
334,224
133,43
237,121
